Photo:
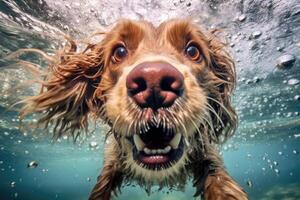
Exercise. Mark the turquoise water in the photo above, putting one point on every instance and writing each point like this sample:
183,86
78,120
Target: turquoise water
263,156
68,171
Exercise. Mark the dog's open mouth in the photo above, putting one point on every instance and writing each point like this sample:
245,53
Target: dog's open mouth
157,148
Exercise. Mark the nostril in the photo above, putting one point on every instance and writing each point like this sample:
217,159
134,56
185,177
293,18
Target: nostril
138,85
166,83
170,83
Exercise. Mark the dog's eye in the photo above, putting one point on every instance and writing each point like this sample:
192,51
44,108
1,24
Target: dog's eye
193,53
119,54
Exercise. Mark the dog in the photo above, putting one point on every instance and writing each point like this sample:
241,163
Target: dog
164,91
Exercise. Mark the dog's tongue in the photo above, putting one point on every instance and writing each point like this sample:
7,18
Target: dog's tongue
155,159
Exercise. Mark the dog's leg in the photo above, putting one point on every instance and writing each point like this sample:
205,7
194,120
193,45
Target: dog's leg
111,175
220,186
212,181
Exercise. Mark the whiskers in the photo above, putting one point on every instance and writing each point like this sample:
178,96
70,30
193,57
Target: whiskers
222,122
178,118
222,106
196,119
196,126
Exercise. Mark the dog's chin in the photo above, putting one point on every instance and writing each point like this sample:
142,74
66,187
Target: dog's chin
157,148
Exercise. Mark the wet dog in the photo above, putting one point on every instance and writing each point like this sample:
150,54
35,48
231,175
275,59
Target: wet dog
164,92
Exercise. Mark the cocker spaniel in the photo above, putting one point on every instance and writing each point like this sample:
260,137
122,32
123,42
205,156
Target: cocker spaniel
165,93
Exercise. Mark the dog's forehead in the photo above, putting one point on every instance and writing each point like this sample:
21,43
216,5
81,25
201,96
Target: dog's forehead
131,28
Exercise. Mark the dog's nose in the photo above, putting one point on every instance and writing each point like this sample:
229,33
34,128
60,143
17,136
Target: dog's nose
155,84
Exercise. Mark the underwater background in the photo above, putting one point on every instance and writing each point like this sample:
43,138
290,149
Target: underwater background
262,35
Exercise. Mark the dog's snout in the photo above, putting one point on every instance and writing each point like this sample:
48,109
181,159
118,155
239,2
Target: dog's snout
155,84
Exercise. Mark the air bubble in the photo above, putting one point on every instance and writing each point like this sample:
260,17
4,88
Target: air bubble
285,61
249,183
13,184
256,34
93,145
32,164
295,152
297,97
242,17
293,81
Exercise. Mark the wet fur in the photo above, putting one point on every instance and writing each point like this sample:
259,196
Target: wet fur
80,85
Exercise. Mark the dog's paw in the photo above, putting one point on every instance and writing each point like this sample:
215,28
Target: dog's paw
220,186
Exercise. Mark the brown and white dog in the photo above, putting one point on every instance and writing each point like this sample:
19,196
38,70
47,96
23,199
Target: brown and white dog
165,93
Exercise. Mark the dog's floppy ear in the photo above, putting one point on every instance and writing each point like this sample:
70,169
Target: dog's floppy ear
224,80
67,93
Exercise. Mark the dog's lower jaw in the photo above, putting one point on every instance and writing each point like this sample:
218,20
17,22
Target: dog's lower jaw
211,180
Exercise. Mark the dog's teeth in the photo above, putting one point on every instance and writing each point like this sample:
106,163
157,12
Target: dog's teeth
153,151
186,142
147,151
167,149
175,141
138,142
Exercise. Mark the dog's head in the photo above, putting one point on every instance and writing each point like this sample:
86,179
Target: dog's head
164,91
